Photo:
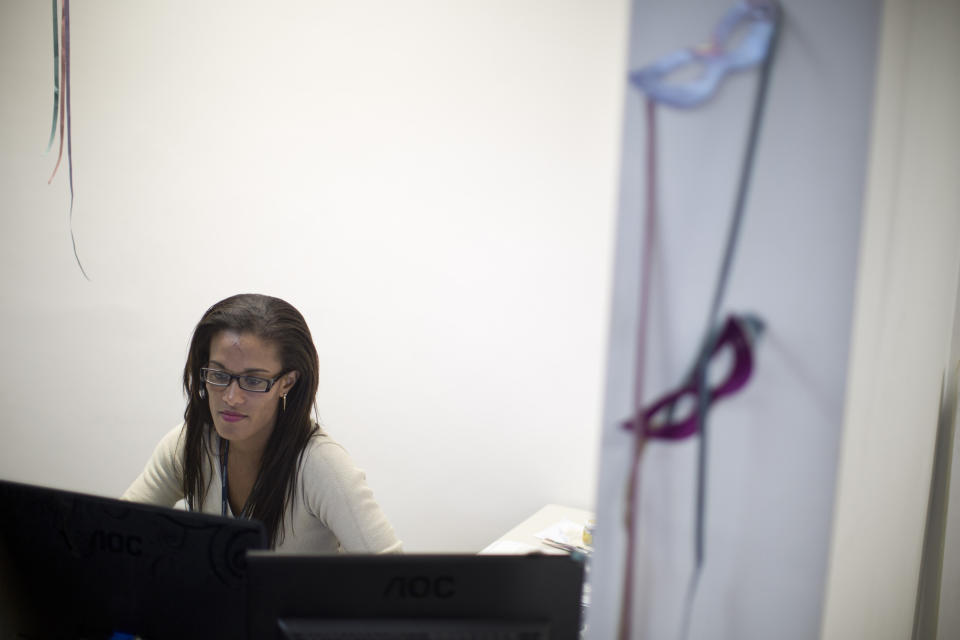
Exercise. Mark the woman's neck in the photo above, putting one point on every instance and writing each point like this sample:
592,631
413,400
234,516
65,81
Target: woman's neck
248,452
245,454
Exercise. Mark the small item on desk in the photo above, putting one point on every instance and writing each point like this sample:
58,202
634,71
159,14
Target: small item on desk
508,547
566,535
588,528
563,546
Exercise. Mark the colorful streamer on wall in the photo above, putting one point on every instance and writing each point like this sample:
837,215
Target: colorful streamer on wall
61,105
745,37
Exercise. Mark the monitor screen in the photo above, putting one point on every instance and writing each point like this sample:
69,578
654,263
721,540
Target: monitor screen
80,566
525,597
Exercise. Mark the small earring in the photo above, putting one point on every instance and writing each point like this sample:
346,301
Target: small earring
202,393
284,396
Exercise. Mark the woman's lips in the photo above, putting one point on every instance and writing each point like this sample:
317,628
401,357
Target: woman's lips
229,416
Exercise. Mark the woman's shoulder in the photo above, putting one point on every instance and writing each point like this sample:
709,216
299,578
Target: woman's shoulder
175,438
173,445
321,443
323,454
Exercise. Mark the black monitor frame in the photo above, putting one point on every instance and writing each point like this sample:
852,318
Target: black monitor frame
537,590
82,566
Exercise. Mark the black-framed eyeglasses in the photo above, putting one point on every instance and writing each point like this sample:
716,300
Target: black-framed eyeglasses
248,383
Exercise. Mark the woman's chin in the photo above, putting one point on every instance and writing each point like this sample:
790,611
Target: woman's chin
225,430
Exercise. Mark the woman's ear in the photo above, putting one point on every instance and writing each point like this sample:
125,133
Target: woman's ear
289,379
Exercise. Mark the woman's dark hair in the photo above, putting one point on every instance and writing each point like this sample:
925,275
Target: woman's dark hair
276,322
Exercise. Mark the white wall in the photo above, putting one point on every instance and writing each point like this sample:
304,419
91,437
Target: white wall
774,446
431,183
901,354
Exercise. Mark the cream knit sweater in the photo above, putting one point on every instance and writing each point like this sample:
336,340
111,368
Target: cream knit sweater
333,511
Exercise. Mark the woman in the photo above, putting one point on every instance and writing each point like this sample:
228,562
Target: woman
248,446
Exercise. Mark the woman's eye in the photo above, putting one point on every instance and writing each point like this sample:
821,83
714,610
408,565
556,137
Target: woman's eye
251,382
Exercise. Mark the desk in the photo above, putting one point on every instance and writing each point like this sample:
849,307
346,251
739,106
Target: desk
522,538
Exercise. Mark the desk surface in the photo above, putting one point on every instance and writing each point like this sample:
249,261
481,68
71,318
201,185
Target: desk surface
523,539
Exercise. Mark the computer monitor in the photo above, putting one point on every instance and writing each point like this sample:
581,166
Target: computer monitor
523,597
80,566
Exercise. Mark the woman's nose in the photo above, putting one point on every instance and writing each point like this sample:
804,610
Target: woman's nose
233,392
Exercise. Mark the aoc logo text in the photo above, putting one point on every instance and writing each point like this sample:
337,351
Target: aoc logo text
115,542
419,587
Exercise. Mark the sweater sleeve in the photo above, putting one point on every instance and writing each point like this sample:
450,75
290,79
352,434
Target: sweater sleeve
335,491
160,482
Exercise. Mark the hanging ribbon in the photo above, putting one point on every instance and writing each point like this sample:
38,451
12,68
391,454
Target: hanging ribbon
717,59
62,96
639,440
59,95
56,76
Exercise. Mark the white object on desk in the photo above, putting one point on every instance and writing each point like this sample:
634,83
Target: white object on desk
523,538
